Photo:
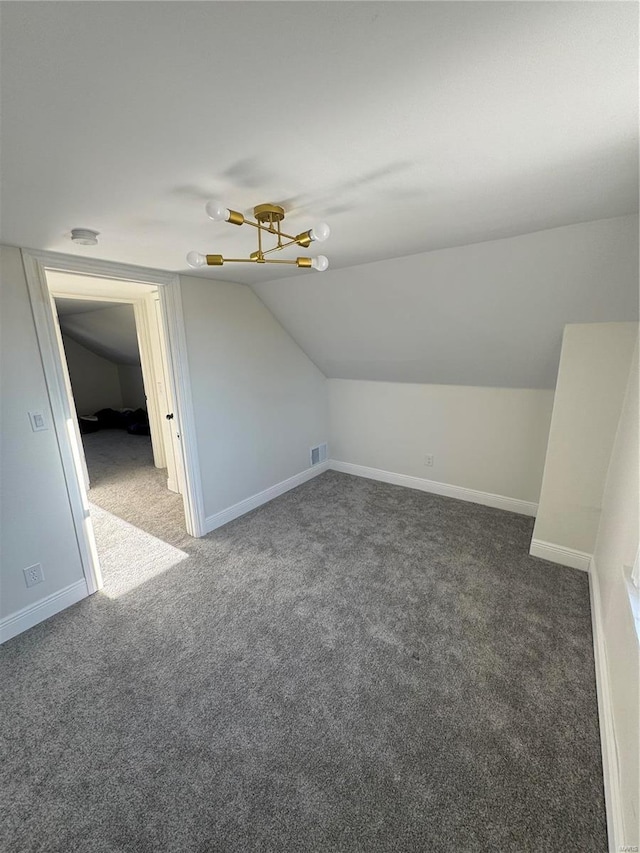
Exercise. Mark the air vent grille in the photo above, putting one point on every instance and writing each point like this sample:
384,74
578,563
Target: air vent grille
318,454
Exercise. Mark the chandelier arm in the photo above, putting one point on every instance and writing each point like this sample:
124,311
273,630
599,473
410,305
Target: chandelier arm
260,254
269,230
260,225
277,248
278,261
258,261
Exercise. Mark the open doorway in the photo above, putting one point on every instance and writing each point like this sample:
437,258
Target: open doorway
115,367
114,356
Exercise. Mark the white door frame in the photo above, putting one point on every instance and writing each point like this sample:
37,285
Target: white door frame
145,316
35,264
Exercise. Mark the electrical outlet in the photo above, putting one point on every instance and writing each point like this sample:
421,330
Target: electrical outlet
428,460
33,575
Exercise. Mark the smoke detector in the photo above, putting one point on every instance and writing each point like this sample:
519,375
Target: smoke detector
84,236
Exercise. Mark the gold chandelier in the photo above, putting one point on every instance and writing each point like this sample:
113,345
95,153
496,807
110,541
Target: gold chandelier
268,219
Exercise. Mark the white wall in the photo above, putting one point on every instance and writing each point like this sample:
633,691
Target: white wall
36,518
592,378
488,439
488,314
259,402
131,386
616,547
99,383
94,380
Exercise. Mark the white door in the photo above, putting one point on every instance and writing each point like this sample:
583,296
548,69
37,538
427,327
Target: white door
81,460
166,408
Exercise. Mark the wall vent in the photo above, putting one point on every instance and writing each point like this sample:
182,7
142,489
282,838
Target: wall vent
318,454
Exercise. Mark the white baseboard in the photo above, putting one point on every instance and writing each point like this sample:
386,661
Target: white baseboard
559,554
21,620
423,485
241,508
607,732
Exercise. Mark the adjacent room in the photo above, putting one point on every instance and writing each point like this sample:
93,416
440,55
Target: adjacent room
106,384
320,474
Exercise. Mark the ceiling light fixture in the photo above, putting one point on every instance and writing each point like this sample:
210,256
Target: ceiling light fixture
84,236
268,219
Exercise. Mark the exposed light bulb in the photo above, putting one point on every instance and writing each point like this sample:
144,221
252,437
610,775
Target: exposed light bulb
217,211
320,232
320,263
195,260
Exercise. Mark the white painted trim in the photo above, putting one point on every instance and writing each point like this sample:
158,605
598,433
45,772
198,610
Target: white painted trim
608,745
253,502
100,268
45,328
90,297
31,615
146,322
560,554
445,489
69,391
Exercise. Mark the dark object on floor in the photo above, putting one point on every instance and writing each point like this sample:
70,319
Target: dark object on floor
88,423
110,419
264,694
138,429
135,421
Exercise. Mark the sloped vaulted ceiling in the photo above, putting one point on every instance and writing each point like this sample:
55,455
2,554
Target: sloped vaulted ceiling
412,127
108,330
490,314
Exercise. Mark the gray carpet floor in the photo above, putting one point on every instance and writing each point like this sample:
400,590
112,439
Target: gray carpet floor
125,482
351,667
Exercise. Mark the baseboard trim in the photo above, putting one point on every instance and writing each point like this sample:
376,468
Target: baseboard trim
449,491
608,744
37,612
559,554
253,502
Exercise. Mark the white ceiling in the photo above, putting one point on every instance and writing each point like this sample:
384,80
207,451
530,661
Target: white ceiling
408,126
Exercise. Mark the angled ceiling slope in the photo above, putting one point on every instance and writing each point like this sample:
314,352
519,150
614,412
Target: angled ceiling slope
94,312
489,314
108,331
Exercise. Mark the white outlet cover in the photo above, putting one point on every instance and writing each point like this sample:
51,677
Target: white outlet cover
33,575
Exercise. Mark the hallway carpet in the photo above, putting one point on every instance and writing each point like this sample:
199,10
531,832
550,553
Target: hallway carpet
125,482
352,667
